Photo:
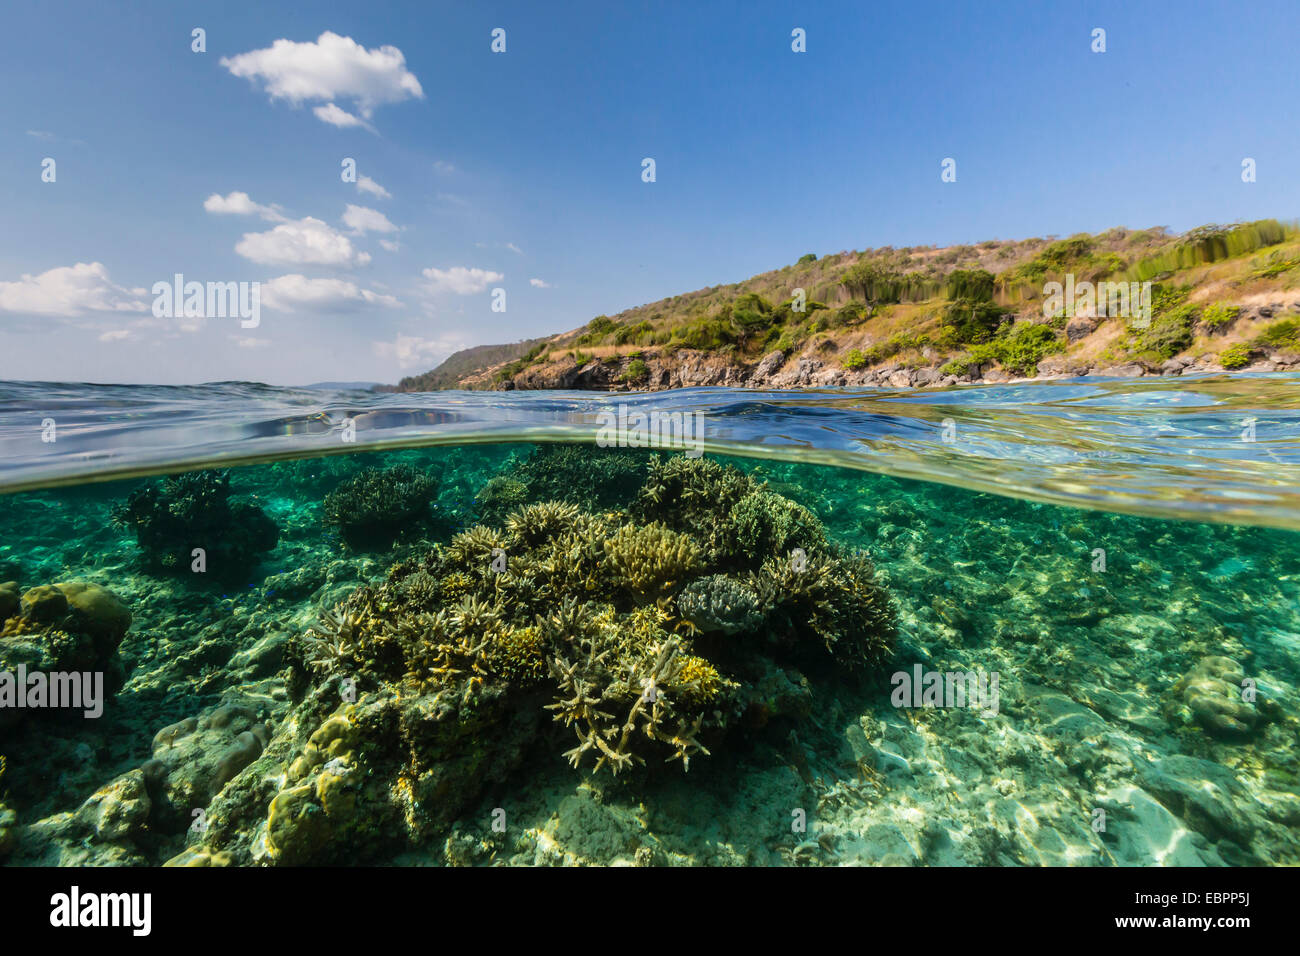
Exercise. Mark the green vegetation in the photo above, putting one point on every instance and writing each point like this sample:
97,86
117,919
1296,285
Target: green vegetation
1219,316
637,371
1018,350
1235,356
1208,244
854,360
1284,334
1170,331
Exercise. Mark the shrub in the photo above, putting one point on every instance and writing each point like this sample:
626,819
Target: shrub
1219,316
1284,334
854,360
1235,356
637,371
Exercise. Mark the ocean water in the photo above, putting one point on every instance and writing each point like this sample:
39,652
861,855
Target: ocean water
1050,623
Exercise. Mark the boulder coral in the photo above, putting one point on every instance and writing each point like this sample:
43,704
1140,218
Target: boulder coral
73,626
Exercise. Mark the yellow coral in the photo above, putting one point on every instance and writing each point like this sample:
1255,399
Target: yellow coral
702,677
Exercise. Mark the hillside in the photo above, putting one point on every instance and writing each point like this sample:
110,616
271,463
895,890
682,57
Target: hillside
1219,297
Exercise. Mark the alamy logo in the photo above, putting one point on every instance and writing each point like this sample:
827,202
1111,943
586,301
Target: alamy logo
74,909
624,429
179,299
1126,300
922,688
74,690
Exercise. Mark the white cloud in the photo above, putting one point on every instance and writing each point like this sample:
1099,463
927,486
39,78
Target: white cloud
337,116
390,245
114,335
69,291
330,69
240,204
249,342
286,292
513,248
442,166
411,351
301,242
460,280
367,185
539,284
361,220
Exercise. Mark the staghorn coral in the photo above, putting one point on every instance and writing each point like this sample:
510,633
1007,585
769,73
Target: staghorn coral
374,507
649,560
172,517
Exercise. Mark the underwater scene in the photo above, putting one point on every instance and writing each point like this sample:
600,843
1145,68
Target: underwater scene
1074,642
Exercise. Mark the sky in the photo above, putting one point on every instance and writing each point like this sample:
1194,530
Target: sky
503,195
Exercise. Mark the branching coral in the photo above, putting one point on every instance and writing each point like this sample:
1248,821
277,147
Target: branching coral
173,517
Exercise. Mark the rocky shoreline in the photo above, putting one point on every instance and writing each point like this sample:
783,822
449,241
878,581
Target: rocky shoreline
687,368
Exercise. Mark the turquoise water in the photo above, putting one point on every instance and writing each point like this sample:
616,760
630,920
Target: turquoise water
406,655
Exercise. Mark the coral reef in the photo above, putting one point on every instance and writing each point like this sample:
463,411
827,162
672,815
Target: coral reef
590,477
75,626
416,693
173,517
374,507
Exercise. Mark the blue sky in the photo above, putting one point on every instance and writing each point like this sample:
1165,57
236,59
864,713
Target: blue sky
522,170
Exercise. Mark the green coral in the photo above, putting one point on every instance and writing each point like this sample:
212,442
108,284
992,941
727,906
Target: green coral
374,507
180,513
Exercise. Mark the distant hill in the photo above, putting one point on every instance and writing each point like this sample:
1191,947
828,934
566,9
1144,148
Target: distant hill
465,364
1220,297
346,386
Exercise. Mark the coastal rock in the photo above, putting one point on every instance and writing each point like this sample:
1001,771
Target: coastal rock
771,362
1080,327
1128,370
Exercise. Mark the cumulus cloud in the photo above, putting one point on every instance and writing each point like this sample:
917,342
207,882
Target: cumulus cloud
361,220
367,185
409,351
460,280
390,245
335,115
240,204
288,292
539,284
301,242
70,291
331,69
